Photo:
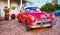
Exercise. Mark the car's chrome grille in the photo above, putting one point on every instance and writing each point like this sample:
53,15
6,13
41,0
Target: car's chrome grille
46,22
38,23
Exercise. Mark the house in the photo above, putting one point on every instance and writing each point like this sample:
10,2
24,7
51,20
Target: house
11,3
4,3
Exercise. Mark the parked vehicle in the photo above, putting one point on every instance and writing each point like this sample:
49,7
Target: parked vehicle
33,17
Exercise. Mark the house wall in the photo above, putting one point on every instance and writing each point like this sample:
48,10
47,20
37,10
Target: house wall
16,9
3,4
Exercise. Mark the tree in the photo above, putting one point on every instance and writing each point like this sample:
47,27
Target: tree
48,7
57,7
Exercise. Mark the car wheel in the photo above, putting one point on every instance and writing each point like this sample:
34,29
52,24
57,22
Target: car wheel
19,21
27,26
50,26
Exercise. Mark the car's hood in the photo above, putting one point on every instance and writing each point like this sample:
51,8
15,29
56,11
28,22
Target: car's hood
37,15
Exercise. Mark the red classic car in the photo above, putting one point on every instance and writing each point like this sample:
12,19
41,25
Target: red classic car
32,17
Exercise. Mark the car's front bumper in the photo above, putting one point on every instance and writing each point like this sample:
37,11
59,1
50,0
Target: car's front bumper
40,26
44,24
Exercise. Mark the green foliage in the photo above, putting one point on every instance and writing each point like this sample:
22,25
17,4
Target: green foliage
13,7
57,7
48,7
6,10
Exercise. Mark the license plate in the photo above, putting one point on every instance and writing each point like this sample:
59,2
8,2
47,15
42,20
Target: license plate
45,25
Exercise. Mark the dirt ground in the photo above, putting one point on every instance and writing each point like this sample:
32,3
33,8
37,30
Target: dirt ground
12,27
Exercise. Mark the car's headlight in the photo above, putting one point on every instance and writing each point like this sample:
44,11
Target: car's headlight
33,18
43,16
53,16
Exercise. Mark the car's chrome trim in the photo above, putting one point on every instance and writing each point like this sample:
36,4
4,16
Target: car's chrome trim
35,26
38,26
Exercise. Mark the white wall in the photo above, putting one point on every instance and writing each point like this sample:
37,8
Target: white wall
2,4
14,11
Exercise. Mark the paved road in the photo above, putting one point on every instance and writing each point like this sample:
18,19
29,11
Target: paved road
12,27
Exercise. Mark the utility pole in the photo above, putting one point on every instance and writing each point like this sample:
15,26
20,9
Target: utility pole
9,9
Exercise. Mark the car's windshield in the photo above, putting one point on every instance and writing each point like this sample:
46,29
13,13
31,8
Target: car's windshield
32,9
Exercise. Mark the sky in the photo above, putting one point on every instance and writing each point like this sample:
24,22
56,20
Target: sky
42,2
58,1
